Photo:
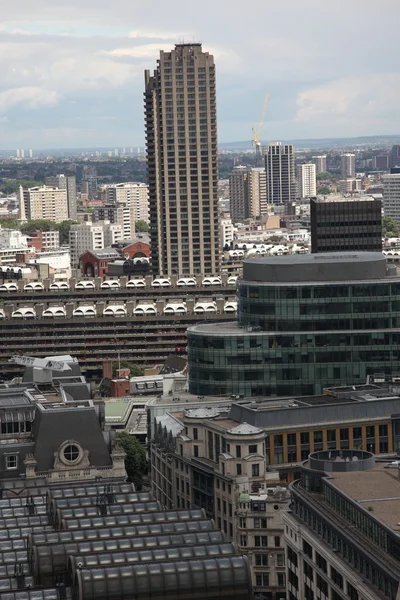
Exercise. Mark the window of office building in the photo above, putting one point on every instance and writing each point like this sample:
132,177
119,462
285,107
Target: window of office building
261,560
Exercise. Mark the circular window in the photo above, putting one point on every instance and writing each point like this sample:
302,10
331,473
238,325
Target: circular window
276,507
71,453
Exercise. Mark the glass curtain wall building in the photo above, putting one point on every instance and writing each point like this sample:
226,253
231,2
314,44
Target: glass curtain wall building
305,322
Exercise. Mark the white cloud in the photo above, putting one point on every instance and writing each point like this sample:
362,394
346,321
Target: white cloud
359,101
158,35
143,51
27,97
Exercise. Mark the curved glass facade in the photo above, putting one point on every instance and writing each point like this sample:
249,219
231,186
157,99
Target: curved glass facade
298,338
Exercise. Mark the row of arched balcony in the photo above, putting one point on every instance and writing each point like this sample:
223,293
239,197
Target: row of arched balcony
116,284
121,310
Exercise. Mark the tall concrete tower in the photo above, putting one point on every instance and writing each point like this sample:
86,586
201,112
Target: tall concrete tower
182,154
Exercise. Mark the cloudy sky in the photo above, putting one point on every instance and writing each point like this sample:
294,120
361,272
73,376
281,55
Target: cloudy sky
72,70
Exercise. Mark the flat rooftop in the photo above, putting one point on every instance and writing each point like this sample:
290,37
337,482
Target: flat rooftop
324,267
376,490
332,198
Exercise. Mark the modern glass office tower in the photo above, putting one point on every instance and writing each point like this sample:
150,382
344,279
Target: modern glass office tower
305,322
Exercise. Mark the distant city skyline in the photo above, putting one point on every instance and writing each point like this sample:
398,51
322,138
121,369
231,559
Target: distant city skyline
73,75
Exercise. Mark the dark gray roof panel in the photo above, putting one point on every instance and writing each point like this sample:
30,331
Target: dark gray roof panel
92,489
157,529
82,501
94,561
227,577
32,594
171,516
144,509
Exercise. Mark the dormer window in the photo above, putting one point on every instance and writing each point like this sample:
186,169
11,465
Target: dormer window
11,461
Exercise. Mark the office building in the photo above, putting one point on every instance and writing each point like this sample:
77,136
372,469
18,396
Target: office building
44,202
182,154
131,194
31,153
348,165
92,236
342,224
119,214
394,158
22,152
89,181
350,185
257,192
391,196
306,180
342,532
68,183
18,153
305,322
200,458
238,194
320,163
280,173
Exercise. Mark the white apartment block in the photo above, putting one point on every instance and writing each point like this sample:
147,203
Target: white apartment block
45,202
133,194
66,183
226,231
92,236
12,238
120,214
351,184
50,240
391,196
306,180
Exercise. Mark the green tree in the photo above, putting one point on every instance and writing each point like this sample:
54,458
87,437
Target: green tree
324,190
390,227
10,223
63,229
38,224
135,461
12,185
141,227
325,176
136,370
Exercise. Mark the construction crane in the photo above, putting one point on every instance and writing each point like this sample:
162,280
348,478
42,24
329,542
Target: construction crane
257,132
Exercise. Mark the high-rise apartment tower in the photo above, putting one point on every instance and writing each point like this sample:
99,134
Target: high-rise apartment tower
182,153
348,165
306,180
281,178
320,163
238,193
66,182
